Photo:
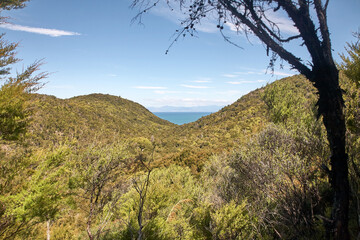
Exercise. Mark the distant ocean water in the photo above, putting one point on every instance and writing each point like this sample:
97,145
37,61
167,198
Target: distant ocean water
181,117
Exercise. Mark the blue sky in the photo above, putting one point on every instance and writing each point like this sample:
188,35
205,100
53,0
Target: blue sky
92,47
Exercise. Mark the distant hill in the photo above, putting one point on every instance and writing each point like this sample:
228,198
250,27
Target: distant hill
234,125
193,143
108,119
95,116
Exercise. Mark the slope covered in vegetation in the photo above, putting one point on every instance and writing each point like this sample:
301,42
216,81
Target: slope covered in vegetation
107,119
102,167
234,125
94,117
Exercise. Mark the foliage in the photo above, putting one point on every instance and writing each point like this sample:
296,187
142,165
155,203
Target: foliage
350,83
351,63
14,117
257,169
278,173
274,185
168,205
7,56
14,104
97,180
233,221
268,178
40,195
14,91
309,19
12,4
96,117
291,102
104,119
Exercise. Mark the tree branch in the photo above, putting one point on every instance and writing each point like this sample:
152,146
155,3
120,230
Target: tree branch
306,27
321,15
266,38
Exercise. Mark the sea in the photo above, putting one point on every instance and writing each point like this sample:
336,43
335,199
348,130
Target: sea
181,117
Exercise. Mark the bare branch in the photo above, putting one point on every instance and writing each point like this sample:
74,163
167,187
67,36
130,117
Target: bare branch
306,27
266,38
326,5
144,6
321,14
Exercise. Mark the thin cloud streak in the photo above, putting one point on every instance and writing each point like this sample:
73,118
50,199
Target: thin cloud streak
284,23
112,75
232,92
192,86
150,87
165,92
230,75
250,73
242,82
282,74
208,24
201,81
262,72
59,87
185,102
42,31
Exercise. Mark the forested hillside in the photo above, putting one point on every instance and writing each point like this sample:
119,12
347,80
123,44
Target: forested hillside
282,162
103,167
95,117
107,119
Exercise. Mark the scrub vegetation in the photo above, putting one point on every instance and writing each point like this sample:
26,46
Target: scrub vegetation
96,166
103,167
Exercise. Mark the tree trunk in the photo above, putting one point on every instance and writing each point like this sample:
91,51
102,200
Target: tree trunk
141,205
331,108
88,229
48,223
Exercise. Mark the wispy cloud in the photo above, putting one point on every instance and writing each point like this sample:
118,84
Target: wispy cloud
192,86
165,92
43,31
284,23
284,74
207,25
185,102
232,27
263,72
230,75
150,87
202,80
243,82
251,73
237,93
112,75
58,87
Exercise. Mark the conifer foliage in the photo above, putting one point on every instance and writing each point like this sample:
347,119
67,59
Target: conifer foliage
14,89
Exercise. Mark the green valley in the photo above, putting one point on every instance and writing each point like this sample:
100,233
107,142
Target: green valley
281,162
256,168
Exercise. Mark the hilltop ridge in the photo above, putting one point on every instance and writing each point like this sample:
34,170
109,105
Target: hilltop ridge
107,119
95,116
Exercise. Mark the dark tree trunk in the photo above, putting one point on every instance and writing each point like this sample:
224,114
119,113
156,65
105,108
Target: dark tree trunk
331,104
